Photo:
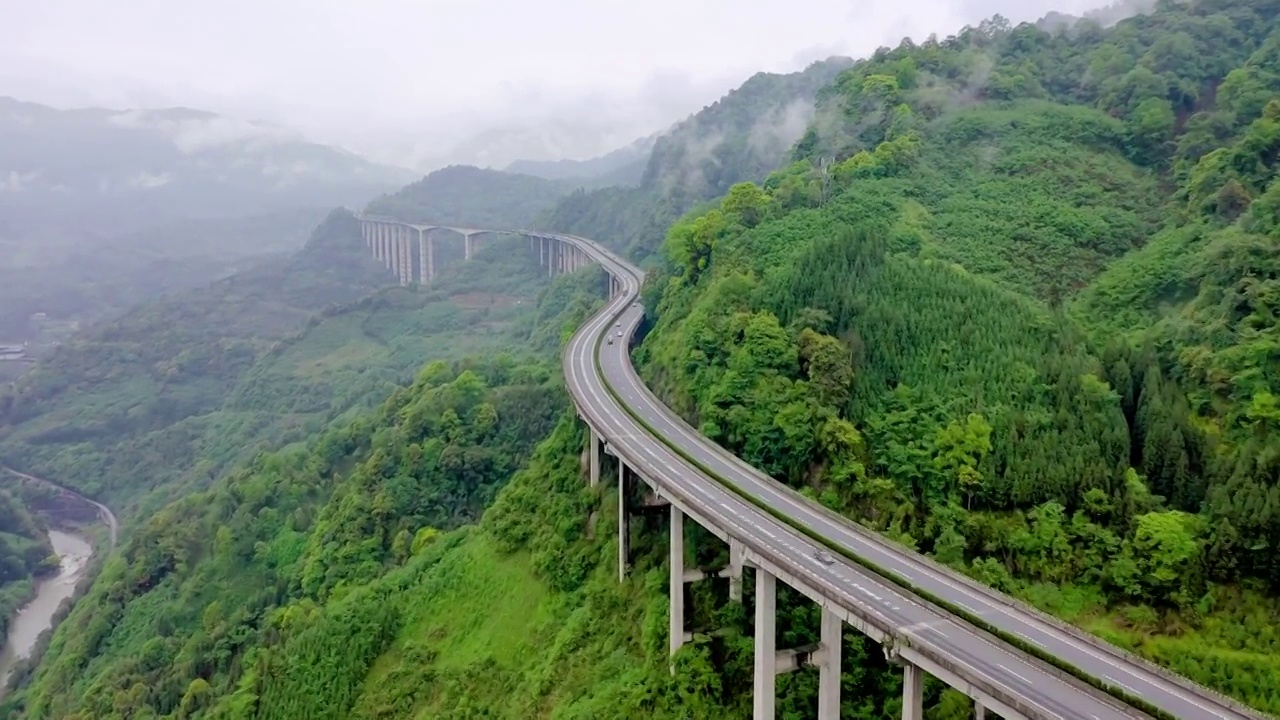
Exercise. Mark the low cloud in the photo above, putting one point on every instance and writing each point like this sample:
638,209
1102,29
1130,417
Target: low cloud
195,134
16,182
148,181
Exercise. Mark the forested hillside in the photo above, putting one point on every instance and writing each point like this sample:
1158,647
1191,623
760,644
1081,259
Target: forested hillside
473,197
1015,304
344,577
179,390
25,552
743,136
1011,301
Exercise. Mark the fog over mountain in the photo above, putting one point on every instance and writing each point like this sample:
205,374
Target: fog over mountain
125,169
427,84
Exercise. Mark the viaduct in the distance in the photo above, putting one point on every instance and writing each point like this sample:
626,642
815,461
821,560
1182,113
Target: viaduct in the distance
929,619
408,249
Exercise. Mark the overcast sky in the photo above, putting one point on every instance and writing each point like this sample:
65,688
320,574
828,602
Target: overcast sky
401,78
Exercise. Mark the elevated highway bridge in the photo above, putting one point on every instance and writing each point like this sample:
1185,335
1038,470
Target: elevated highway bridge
1008,657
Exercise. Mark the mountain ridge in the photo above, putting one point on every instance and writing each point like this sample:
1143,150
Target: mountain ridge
124,169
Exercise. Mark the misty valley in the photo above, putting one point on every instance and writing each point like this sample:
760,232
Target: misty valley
934,381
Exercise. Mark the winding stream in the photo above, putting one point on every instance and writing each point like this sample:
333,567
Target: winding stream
74,551
36,616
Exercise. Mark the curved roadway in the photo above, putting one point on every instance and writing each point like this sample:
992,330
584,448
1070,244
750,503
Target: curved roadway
930,629
933,631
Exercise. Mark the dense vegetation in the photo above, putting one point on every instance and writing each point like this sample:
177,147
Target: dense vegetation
343,578
473,197
1012,301
177,391
1015,304
24,553
743,136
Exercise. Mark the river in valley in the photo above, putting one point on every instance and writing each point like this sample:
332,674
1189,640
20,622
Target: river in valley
70,509
35,617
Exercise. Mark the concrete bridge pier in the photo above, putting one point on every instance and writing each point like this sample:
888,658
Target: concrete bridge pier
675,612
832,639
397,254
426,257
764,687
912,692
769,662
595,458
393,249
405,269
912,684
386,244
624,520
737,558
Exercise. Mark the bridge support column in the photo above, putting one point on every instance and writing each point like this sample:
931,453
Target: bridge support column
736,553
912,692
676,591
832,638
467,245
595,458
979,710
393,252
410,267
393,242
425,268
624,522
765,684
402,244
398,248
386,245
